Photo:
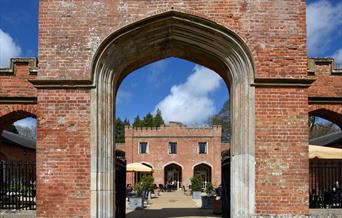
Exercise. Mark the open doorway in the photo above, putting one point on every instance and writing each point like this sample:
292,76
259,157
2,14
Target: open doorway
173,117
192,38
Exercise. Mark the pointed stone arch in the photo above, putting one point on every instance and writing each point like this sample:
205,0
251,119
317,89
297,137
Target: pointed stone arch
189,37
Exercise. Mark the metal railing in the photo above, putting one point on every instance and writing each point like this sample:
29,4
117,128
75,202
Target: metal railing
18,185
325,189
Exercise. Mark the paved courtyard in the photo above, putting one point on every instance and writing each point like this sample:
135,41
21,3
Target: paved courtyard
172,204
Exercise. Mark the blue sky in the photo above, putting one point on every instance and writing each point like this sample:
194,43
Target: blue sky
162,83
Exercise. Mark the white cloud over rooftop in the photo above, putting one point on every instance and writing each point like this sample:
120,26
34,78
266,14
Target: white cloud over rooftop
8,49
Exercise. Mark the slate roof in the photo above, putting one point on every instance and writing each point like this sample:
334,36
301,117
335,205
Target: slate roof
16,139
328,140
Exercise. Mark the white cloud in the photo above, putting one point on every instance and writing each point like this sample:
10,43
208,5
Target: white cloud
323,21
156,73
189,102
8,49
338,56
26,122
123,96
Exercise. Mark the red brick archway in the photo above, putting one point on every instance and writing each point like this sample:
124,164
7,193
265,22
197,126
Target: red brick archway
332,113
11,113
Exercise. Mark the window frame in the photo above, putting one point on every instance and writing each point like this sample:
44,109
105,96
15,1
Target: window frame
206,147
139,147
170,146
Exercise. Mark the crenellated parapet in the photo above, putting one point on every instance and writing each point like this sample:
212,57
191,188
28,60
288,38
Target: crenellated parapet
327,76
332,66
15,86
173,129
30,63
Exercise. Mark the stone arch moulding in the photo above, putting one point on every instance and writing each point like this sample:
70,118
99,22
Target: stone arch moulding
202,162
173,162
185,36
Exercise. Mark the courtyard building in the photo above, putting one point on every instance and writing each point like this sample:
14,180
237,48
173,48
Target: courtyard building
175,152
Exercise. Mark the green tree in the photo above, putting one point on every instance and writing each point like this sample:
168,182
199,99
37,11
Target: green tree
148,120
319,128
126,122
119,131
223,119
137,122
158,119
196,183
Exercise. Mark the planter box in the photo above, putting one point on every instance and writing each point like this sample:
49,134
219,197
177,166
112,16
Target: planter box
217,206
196,195
207,202
136,202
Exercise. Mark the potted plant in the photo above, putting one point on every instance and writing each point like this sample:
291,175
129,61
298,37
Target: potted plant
207,201
196,187
137,201
147,183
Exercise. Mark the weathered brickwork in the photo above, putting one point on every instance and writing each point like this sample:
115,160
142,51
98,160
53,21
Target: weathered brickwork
187,149
18,97
63,153
328,78
70,32
325,93
281,151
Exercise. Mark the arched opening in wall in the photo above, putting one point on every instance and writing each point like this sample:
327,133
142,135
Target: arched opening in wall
172,176
18,160
204,171
325,151
173,116
173,34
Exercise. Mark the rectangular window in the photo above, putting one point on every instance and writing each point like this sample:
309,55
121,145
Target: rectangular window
172,147
203,147
143,149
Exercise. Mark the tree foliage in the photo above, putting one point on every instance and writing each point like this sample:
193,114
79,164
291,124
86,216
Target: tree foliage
158,119
148,121
223,119
318,129
138,122
27,131
120,130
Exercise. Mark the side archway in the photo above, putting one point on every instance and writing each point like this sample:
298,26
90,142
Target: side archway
204,171
327,114
11,113
189,37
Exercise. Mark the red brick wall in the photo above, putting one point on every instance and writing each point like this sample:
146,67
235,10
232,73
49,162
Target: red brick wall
14,80
187,149
15,89
70,32
281,151
16,152
328,84
63,153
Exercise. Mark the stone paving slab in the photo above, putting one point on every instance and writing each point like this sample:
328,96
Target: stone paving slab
171,204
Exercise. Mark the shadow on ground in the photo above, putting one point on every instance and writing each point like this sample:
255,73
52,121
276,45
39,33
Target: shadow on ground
171,212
